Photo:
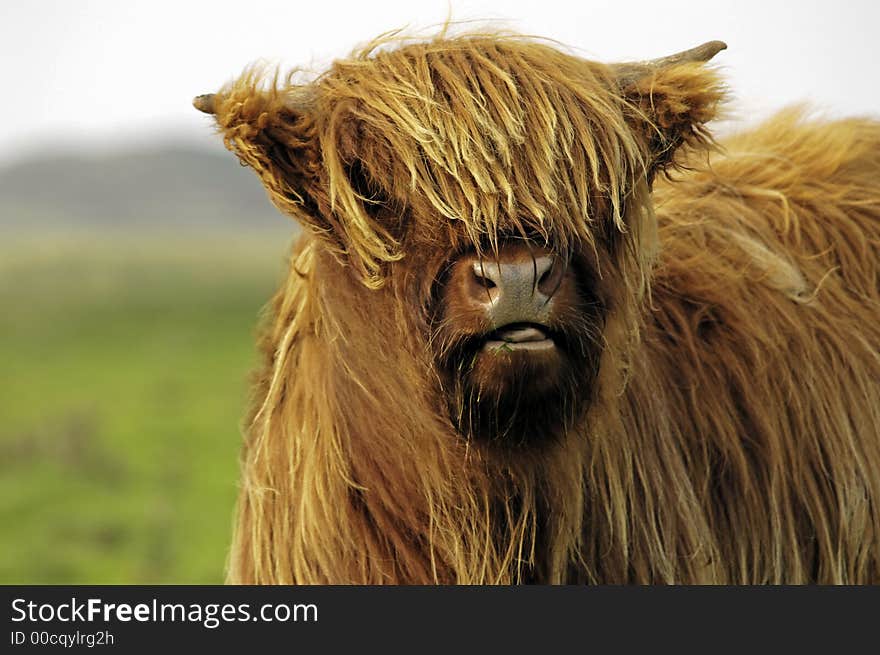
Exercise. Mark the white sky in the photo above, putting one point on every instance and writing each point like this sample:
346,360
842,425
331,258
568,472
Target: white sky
101,73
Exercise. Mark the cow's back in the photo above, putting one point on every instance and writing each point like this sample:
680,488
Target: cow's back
764,332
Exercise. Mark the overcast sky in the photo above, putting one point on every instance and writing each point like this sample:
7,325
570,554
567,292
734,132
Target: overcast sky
80,74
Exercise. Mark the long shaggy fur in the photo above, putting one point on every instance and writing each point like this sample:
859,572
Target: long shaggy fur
732,434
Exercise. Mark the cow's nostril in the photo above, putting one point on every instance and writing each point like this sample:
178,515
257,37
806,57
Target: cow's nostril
551,277
483,280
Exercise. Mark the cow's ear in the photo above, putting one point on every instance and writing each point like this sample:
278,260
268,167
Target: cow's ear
273,130
668,101
304,154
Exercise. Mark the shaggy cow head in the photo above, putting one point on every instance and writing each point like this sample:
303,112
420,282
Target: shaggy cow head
490,195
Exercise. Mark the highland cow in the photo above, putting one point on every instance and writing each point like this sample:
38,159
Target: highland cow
540,327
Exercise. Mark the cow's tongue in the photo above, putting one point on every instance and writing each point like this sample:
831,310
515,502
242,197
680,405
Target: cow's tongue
520,334
519,337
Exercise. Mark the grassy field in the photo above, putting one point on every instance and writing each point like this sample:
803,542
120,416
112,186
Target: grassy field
123,379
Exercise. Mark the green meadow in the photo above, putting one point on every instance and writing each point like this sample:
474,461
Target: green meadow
123,379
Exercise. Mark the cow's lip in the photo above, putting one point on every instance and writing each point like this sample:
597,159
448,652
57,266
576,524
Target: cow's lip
520,336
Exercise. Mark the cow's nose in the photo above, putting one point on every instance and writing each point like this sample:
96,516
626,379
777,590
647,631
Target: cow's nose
517,286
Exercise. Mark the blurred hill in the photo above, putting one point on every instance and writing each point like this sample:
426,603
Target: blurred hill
144,189
130,286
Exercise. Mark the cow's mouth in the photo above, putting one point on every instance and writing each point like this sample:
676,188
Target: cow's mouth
515,337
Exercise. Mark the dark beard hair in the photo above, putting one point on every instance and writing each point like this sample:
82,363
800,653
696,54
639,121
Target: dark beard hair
517,412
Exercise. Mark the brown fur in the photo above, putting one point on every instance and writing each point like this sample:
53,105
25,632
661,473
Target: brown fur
731,432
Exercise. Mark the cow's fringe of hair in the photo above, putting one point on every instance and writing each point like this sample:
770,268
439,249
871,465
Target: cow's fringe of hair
734,434
474,130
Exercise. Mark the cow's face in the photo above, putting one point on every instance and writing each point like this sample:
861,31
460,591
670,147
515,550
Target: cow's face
493,185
